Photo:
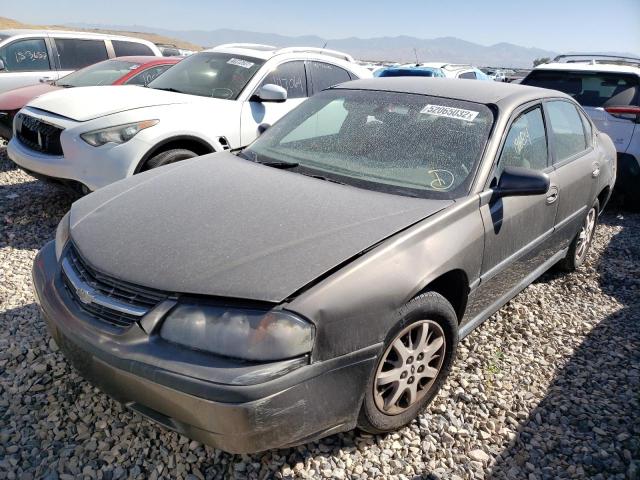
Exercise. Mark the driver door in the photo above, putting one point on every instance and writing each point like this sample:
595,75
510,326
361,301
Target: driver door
518,230
292,77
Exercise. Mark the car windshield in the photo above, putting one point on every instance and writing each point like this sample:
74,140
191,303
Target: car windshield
102,73
414,145
590,89
209,74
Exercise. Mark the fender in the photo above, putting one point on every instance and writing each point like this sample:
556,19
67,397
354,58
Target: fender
189,138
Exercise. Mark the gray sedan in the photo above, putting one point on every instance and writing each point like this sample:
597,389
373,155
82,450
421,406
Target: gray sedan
321,279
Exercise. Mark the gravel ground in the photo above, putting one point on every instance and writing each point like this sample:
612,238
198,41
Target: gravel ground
549,387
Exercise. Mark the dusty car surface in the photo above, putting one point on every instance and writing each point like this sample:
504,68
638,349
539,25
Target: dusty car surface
321,279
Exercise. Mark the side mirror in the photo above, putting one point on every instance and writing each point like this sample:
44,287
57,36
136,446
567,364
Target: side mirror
519,181
263,127
2,66
271,93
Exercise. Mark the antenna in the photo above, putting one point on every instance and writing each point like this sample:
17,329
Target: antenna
325,45
415,52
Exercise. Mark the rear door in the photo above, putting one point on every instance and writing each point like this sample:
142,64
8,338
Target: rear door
292,77
75,53
577,166
596,91
518,230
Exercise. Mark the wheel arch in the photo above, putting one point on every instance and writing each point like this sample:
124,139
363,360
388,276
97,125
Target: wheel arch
453,285
189,142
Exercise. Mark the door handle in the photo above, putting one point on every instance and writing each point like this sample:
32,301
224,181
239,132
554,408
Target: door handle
552,197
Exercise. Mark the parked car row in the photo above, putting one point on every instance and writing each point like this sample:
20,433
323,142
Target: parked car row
313,270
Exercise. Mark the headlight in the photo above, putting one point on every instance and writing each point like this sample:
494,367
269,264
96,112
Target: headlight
117,134
260,335
62,235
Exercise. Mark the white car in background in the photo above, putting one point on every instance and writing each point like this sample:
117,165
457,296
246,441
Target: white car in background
456,70
218,99
29,56
608,88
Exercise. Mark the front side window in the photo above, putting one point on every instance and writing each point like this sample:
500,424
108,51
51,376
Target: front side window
406,144
209,74
102,73
75,53
28,55
526,143
567,129
147,76
123,48
325,75
291,76
590,89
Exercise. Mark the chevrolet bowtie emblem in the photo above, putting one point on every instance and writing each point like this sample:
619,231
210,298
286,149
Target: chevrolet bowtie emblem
85,296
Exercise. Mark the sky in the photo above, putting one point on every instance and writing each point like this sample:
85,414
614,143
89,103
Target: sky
558,25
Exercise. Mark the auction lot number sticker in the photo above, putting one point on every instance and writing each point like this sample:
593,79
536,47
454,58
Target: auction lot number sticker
450,112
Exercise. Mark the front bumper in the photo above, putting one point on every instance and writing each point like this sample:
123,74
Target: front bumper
235,406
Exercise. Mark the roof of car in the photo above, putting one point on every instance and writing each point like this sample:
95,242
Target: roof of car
267,51
589,67
27,31
479,92
145,59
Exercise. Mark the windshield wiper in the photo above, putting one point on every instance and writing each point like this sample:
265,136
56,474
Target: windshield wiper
279,164
168,89
326,179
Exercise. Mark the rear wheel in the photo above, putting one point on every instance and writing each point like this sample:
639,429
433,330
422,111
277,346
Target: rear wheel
581,243
416,360
170,156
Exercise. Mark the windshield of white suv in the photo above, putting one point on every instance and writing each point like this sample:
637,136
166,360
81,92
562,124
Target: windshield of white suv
102,73
406,144
590,89
209,74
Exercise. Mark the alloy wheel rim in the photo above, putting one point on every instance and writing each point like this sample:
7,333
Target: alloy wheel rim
409,367
585,235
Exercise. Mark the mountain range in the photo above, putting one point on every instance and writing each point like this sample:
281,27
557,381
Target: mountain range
398,48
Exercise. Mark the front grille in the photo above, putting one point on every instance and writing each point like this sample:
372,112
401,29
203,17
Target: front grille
38,135
117,303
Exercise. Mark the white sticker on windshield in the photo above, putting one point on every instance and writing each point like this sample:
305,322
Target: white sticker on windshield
240,63
450,112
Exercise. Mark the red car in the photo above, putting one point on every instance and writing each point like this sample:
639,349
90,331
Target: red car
138,70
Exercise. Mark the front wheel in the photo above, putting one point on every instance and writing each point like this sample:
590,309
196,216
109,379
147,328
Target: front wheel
416,360
581,243
170,156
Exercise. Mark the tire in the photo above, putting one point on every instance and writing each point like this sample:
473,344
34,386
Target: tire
579,248
379,413
170,156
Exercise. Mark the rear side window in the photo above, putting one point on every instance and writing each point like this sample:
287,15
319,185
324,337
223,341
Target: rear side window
76,53
590,89
567,129
325,75
28,55
147,76
468,75
123,48
526,143
291,76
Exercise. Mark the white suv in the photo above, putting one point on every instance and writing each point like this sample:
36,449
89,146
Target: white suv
608,88
218,99
29,56
458,70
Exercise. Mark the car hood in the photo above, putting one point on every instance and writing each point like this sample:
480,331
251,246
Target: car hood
87,103
223,226
17,98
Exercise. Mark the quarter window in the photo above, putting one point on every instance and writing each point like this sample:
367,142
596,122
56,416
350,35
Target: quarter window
468,75
526,143
123,48
75,53
291,76
567,130
29,55
325,75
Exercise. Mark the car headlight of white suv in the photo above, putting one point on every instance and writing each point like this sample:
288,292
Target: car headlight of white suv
117,134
